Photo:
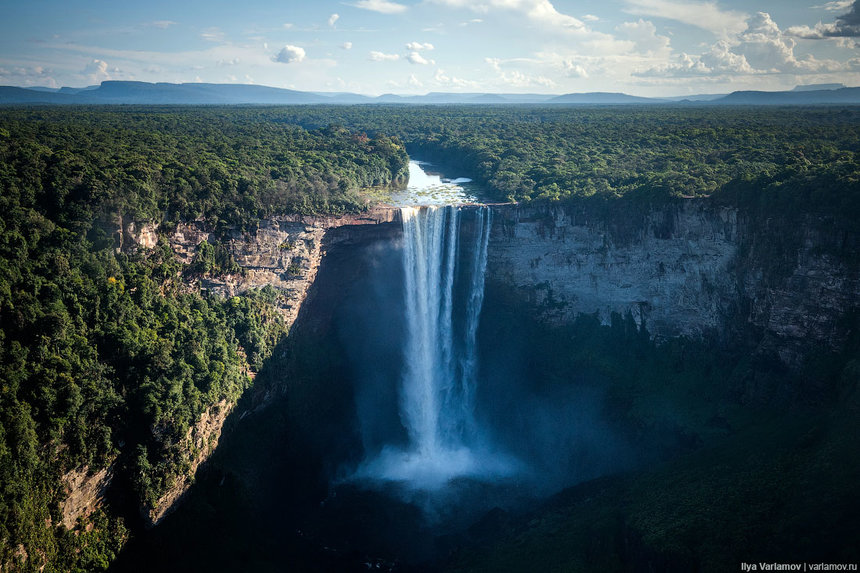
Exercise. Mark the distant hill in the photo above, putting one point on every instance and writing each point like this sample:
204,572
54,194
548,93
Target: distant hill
602,98
123,92
816,97
816,87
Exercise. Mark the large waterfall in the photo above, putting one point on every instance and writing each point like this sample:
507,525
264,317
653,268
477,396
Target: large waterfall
443,270
440,377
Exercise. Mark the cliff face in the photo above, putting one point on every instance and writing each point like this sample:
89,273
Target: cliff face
284,253
691,268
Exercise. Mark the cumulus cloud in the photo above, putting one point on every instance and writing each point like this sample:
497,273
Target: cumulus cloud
644,36
228,62
416,58
761,49
574,70
845,26
590,18
381,6
417,46
704,15
98,71
290,55
332,19
382,57
766,48
346,46
414,82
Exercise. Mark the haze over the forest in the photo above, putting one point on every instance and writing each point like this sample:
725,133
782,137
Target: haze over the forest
652,48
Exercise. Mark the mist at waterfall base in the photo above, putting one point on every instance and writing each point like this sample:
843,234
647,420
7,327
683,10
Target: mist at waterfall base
448,421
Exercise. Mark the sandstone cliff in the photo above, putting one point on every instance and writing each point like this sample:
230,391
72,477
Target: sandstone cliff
691,268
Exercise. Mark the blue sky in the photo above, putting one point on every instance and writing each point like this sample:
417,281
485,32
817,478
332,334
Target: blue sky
643,47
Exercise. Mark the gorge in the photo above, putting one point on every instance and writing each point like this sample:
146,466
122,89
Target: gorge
449,411
238,339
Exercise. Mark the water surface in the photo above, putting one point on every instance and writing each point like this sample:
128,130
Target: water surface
428,186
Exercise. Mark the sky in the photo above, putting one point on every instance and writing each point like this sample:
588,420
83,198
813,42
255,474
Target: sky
640,47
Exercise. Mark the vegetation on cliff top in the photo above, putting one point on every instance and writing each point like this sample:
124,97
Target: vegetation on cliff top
799,158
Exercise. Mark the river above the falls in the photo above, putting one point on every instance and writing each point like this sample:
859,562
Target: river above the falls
428,185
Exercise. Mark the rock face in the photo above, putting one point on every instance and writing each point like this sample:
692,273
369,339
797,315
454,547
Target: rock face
672,274
85,493
200,442
690,268
284,253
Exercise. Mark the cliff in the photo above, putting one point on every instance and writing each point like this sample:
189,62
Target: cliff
284,253
691,268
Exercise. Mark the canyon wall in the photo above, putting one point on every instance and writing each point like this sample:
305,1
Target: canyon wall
690,268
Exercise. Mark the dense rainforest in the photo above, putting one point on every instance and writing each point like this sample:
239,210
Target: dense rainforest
108,356
793,158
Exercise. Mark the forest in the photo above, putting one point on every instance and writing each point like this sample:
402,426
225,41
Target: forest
108,356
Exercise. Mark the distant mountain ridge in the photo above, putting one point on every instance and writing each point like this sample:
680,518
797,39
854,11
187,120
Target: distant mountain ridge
132,92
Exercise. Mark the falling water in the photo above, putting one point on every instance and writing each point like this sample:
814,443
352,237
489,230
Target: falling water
444,292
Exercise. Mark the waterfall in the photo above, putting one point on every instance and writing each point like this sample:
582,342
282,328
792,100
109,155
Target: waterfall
444,269
437,398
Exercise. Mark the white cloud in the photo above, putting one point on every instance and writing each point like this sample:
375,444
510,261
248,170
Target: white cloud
213,34
28,76
835,6
416,46
332,19
414,82
766,48
228,62
762,49
98,71
590,18
290,55
346,46
704,15
416,58
382,57
287,25
518,79
381,6
645,38
451,81
574,70
538,11
720,58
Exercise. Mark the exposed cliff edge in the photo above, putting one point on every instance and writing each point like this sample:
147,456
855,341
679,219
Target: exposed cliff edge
691,268
283,253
